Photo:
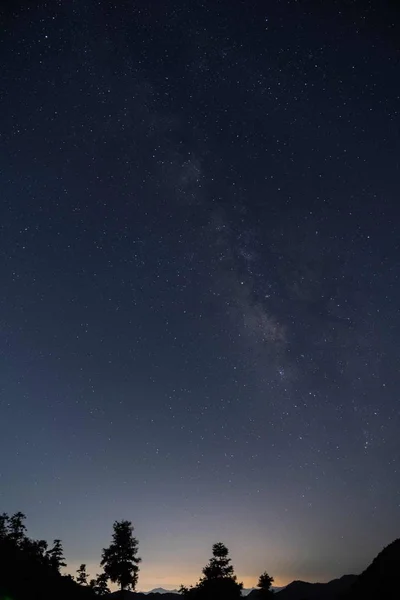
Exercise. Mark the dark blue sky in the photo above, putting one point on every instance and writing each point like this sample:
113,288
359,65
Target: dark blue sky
200,281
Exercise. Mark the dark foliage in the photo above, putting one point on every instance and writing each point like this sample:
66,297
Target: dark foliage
55,556
82,576
28,571
218,582
120,561
264,584
99,585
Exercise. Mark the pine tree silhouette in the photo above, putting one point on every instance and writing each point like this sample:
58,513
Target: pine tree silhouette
219,581
264,584
56,556
120,560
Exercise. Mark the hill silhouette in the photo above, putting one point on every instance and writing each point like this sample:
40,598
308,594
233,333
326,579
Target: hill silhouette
302,590
380,580
23,577
173,595
161,590
30,569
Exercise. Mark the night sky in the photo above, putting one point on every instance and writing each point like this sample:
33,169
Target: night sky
200,258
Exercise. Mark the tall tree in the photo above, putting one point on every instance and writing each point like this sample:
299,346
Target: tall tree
120,560
55,556
219,565
219,581
82,575
264,584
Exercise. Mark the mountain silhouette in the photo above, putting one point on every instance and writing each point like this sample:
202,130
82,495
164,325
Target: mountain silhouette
152,595
249,591
381,579
161,590
302,590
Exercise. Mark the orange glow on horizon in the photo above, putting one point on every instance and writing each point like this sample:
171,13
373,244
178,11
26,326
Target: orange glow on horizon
169,577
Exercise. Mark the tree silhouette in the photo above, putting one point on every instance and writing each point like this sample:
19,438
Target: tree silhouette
3,526
99,585
184,590
219,565
82,575
120,560
55,556
29,569
218,582
264,584
16,528
36,550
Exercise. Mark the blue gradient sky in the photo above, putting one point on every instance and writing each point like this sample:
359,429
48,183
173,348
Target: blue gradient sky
199,275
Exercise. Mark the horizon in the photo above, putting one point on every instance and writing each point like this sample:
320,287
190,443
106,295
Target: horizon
146,583
248,583
200,281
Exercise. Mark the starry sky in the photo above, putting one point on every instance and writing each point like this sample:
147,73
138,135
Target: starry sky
199,307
